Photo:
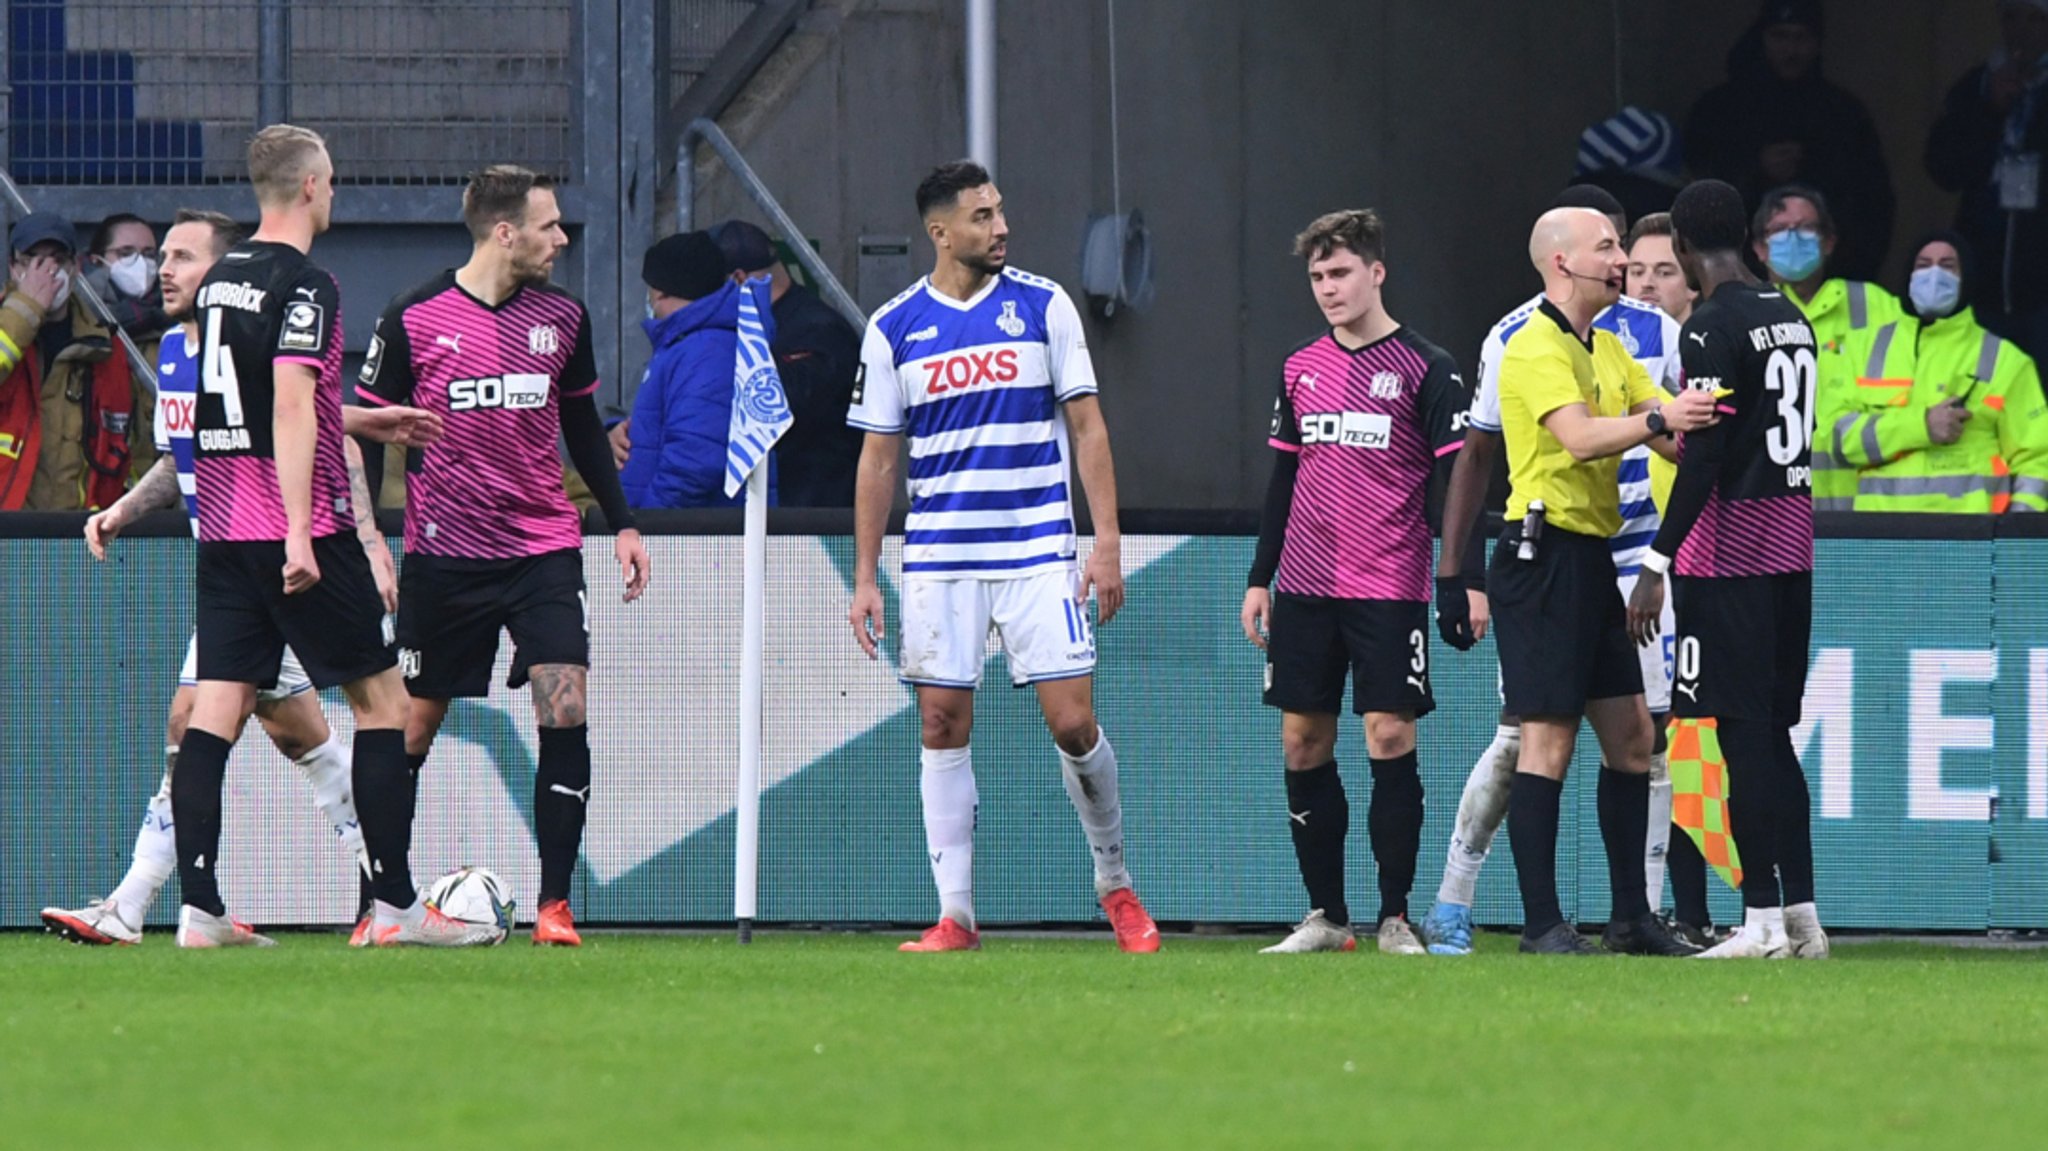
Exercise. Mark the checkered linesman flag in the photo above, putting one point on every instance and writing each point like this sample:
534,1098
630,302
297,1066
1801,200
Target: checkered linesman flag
760,411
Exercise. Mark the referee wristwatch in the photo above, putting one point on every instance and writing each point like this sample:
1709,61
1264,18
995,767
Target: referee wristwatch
1656,423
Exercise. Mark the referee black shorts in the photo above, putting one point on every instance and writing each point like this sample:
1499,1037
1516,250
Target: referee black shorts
1316,640
245,619
450,611
1561,624
1743,646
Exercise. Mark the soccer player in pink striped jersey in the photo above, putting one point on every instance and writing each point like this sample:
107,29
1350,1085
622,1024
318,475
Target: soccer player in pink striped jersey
491,539
1369,419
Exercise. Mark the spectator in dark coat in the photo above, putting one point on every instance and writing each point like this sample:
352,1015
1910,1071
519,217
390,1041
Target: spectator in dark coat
1779,121
817,354
1994,129
676,437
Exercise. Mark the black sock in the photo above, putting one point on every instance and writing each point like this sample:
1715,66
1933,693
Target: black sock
1753,799
561,797
1688,871
195,817
1623,803
1319,817
1532,834
413,765
1393,817
384,806
1795,823
366,890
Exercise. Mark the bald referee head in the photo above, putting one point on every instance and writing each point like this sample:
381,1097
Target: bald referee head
1579,257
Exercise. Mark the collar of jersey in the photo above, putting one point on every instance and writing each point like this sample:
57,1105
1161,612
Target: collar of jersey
1563,325
967,305
518,290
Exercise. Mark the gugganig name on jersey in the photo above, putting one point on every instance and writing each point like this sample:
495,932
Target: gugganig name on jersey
224,439
228,294
516,391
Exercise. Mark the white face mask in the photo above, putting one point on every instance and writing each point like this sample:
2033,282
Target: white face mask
132,275
63,296
1936,291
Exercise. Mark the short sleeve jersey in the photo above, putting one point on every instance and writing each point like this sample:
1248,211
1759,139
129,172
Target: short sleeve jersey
492,487
265,305
1545,367
177,389
1368,425
1649,335
1752,344
976,387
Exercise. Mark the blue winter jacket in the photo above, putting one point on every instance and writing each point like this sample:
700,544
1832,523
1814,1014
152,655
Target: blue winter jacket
684,407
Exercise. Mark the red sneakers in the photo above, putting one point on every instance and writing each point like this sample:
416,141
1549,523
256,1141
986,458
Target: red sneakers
946,936
1135,931
555,927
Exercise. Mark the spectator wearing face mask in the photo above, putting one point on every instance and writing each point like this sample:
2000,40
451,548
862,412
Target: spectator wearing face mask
121,263
75,425
1951,417
1793,234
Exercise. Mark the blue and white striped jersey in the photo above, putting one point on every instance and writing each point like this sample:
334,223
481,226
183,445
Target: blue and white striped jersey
976,386
1651,336
177,373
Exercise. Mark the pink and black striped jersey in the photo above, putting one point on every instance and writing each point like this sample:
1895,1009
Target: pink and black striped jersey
492,487
1754,346
263,305
1369,425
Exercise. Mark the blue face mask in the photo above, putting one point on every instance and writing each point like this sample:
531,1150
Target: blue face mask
1936,292
1794,255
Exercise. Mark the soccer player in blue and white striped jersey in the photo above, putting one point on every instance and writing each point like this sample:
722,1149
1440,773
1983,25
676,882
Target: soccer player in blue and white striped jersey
985,370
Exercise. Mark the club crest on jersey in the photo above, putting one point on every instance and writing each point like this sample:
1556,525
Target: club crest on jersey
1629,343
1386,386
302,323
541,340
1010,322
408,663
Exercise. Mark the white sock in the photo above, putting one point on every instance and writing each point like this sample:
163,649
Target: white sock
1763,922
950,807
326,769
1659,839
1091,784
1481,811
156,856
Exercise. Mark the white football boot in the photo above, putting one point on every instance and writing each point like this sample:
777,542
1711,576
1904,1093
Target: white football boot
1803,932
196,928
98,923
1314,934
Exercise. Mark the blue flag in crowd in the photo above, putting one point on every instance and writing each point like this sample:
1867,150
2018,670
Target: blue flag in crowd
760,411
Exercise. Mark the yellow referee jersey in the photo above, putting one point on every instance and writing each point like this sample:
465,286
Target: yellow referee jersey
1545,367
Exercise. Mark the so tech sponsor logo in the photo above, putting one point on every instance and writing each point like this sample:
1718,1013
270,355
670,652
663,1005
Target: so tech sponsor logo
1373,431
516,391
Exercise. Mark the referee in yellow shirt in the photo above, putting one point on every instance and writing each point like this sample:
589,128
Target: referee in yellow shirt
1572,401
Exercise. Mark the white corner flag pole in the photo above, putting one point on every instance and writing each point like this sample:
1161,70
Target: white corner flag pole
747,804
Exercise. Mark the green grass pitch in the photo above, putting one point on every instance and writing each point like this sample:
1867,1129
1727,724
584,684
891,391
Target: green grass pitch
836,1041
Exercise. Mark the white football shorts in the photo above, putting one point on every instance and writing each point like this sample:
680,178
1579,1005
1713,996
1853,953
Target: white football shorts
946,625
291,677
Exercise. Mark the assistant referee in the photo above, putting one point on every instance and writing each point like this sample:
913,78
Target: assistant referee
1573,400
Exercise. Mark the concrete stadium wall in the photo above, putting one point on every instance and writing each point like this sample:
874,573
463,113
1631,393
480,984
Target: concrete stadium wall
1458,119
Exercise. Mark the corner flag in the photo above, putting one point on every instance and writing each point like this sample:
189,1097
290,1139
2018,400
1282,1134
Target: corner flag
760,410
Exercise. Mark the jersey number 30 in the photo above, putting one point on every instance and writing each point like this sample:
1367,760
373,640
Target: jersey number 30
1790,374
217,371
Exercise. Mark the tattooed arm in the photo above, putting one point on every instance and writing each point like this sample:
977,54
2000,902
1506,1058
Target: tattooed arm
374,547
158,488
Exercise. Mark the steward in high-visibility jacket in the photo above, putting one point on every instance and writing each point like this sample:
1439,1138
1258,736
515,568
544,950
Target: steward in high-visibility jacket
1794,236
1845,316
1998,458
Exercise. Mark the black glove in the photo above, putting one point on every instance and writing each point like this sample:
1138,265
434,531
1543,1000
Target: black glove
1454,613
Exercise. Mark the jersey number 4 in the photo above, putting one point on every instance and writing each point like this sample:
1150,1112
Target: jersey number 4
1790,374
217,371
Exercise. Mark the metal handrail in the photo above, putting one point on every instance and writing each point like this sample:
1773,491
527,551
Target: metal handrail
686,188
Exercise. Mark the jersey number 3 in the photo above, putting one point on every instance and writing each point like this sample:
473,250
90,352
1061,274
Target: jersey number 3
1790,374
217,371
